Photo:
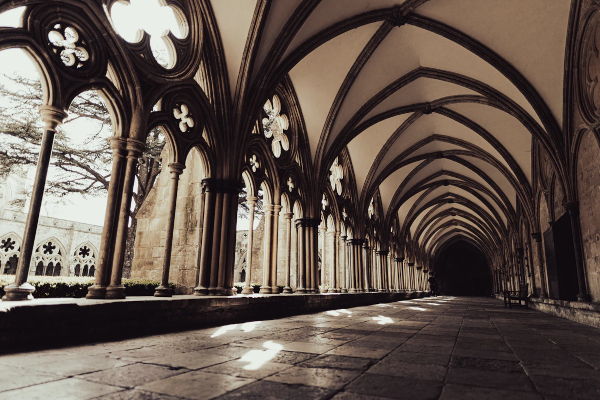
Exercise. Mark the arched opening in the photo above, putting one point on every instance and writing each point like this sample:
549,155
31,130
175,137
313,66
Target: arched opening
77,270
461,269
10,268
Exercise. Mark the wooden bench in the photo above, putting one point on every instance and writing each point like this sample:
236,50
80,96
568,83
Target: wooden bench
514,297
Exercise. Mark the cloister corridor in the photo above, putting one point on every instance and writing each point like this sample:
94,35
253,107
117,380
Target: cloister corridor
433,348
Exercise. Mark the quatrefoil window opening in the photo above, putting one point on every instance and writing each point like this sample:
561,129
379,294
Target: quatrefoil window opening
182,113
68,43
290,184
137,16
275,125
7,244
337,174
254,163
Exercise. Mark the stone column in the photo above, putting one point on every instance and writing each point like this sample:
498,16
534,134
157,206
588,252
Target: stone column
521,265
224,282
333,279
360,274
366,269
351,280
311,257
288,251
344,265
21,290
251,201
164,290
572,208
268,250
116,290
301,252
323,231
274,248
402,272
209,189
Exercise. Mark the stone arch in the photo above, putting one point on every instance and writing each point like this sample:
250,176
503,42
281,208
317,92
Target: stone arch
84,256
50,258
10,247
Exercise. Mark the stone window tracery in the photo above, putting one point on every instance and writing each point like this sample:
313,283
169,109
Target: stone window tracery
254,163
10,246
324,202
68,43
337,174
183,115
371,209
83,260
275,125
290,184
132,18
48,258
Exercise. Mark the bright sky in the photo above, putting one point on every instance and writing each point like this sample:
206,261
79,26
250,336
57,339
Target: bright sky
128,20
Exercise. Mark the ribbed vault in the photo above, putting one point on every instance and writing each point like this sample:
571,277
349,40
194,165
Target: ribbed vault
436,102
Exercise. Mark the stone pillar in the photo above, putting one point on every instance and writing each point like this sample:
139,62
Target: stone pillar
274,248
521,265
21,290
366,268
344,265
268,250
360,275
209,189
224,279
333,278
323,231
116,290
572,208
251,201
164,290
288,251
301,250
351,267
313,260
402,273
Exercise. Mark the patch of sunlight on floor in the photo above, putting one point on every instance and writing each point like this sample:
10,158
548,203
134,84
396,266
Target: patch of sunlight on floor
246,327
257,358
433,304
383,320
334,313
418,309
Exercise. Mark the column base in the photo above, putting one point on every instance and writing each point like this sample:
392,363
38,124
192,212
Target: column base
582,298
248,290
115,292
163,291
344,290
95,292
381,290
265,290
334,290
352,290
214,291
18,293
300,290
225,291
200,291
322,290
287,290
543,295
274,289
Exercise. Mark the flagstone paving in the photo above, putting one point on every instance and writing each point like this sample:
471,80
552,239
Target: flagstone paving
434,348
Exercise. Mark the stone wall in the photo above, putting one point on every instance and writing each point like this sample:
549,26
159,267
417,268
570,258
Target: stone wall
152,228
588,182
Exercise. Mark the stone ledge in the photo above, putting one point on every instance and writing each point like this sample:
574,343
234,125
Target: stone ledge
584,313
50,322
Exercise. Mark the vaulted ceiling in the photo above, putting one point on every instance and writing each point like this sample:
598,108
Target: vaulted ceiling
437,101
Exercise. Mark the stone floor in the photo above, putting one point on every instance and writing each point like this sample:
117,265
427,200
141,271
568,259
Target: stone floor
434,348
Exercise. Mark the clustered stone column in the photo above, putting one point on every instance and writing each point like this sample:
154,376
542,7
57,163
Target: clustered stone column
573,210
21,290
344,264
288,252
335,236
164,290
323,230
215,275
248,288
301,263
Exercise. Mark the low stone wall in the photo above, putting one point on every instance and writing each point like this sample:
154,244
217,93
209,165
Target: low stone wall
43,323
584,313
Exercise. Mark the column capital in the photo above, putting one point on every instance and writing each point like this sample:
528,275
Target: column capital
231,186
117,142
411,264
135,148
277,208
419,267
176,168
572,207
399,259
251,200
209,184
537,236
384,252
52,117
288,215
